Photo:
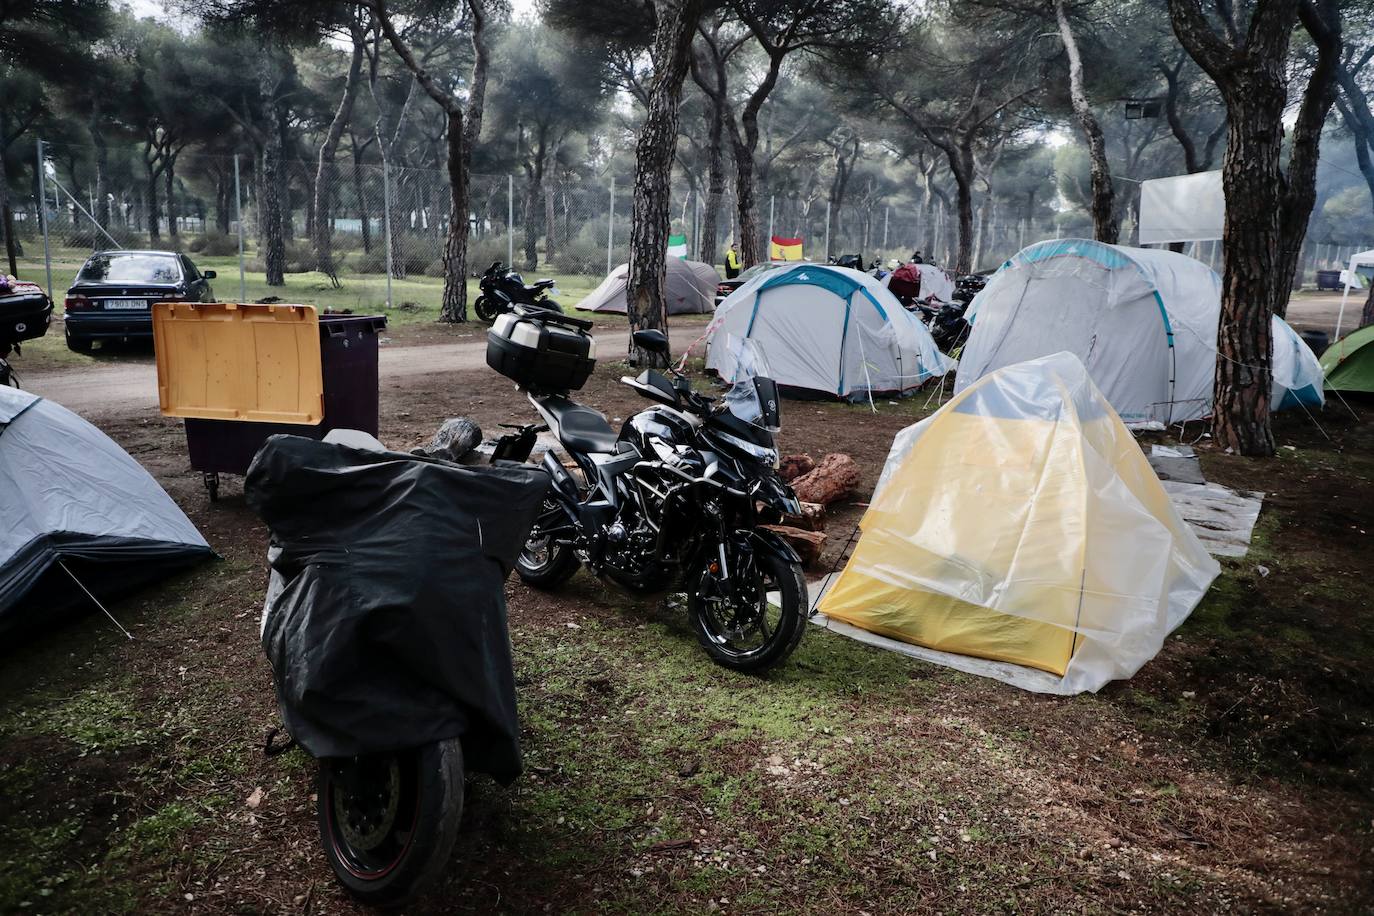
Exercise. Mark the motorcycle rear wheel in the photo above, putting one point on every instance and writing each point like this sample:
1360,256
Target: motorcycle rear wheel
755,632
388,822
543,563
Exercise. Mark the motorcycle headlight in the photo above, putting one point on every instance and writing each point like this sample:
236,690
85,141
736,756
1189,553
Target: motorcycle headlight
768,456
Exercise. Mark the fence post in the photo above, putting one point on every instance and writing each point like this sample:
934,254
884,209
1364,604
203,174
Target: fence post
386,223
610,229
43,216
772,205
238,218
510,220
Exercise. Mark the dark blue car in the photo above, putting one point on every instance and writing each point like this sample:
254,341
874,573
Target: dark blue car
113,296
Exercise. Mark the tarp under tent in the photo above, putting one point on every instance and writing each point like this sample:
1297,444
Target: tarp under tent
785,249
827,331
80,514
1348,281
1019,533
1349,362
1143,321
691,289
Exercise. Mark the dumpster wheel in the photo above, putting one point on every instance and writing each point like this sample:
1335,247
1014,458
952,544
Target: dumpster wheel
211,480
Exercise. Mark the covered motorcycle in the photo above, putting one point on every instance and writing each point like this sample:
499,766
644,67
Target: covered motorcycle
385,625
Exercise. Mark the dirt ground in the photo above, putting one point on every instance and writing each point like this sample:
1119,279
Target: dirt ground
1232,773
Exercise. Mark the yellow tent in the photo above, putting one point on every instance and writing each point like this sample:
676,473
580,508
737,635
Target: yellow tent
1021,523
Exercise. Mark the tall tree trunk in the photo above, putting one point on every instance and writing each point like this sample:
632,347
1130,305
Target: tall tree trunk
6,214
1252,80
1103,209
1322,20
154,231
961,164
533,211
364,212
550,224
102,165
270,203
751,242
169,174
646,303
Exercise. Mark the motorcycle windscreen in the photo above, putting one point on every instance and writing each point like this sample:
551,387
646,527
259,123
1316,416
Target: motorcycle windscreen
386,622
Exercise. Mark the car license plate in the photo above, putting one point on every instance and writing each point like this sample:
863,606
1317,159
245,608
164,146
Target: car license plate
126,304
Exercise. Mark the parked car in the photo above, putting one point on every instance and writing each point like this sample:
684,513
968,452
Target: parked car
114,292
726,287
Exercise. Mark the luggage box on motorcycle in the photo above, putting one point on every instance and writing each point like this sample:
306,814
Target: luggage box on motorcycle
540,355
24,316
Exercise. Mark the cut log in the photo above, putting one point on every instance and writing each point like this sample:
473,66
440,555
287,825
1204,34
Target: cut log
835,477
807,544
794,466
812,518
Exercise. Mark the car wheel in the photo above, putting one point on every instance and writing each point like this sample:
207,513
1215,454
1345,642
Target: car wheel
79,344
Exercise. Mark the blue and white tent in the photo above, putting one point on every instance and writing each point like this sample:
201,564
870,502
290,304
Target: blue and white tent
827,330
1142,320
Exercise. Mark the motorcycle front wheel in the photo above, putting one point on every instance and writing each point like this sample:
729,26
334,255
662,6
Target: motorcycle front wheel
388,822
486,308
758,620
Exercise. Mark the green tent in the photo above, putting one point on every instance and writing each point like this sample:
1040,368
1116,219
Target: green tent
1349,362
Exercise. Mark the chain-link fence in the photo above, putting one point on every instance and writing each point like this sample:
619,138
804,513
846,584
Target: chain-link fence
367,235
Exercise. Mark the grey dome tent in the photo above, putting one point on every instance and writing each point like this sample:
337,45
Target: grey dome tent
691,289
77,509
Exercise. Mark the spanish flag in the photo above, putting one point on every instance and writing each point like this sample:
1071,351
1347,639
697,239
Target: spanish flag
785,249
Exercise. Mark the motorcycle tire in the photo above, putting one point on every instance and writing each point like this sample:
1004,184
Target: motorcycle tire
486,309
388,822
778,576
544,564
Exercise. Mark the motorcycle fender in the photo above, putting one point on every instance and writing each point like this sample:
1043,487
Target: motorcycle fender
562,480
769,542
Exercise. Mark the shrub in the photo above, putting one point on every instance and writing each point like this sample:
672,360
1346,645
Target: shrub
215,245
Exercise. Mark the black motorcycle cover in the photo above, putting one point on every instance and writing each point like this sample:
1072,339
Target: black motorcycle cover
387,626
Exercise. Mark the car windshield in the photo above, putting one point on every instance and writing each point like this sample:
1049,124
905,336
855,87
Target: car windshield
754,271
752,396
130,268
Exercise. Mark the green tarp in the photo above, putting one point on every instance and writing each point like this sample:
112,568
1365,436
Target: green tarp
1349,362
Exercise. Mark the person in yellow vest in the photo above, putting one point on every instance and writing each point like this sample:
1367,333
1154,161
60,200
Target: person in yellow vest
731,262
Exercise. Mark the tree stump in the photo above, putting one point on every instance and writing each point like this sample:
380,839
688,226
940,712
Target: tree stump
794,466
807,544
811,518
834,478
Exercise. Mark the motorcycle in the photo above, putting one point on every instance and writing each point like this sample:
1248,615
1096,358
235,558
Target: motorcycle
946,322
678,495
502,288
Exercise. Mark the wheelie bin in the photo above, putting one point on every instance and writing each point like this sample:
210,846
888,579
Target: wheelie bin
238,373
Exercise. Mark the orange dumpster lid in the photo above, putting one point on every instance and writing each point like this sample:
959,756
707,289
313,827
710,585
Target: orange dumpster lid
239,361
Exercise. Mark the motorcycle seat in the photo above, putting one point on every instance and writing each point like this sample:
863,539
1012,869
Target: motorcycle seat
542,284
579,428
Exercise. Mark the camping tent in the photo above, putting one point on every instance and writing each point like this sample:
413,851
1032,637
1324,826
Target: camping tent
1144,322
1020,533
1349,362
1357,260
77,508
827,330
1297,372
691,289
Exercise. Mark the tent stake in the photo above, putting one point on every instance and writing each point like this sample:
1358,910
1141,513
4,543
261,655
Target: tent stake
95,599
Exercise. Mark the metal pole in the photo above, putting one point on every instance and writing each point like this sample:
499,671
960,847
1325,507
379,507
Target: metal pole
238,218
827,230
887,215
510,221
43,216
772,205
610,230
386,219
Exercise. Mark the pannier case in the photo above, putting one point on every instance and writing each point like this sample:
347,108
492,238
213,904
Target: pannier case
540,355
24,314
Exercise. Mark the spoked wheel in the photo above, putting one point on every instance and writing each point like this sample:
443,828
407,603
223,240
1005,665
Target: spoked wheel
753,620
388,822
486,309
543,563
7,374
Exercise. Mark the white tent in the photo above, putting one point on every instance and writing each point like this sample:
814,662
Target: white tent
827,330
690,289
1143,321
1358,260
76,505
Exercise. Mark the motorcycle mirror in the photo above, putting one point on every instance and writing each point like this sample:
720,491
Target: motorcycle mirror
651,339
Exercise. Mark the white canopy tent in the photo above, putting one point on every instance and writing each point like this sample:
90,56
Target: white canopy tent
1358,260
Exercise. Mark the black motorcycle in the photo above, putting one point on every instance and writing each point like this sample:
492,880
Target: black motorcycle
502,288
677,497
